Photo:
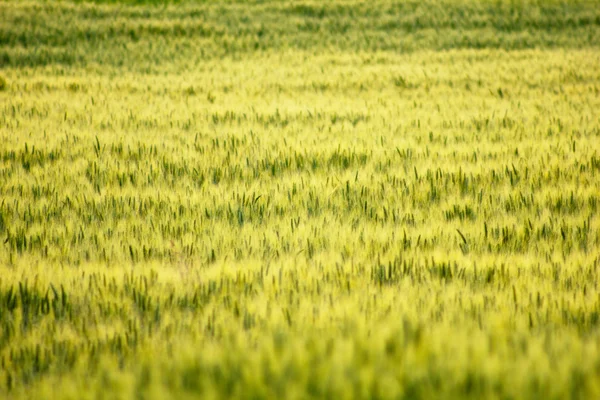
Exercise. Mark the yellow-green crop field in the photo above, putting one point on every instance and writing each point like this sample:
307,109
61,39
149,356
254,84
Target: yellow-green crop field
269,200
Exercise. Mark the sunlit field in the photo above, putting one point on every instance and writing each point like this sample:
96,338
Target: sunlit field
268,200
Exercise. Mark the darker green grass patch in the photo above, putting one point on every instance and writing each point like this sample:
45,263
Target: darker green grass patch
136,32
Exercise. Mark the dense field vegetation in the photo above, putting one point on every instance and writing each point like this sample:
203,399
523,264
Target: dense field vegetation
294,200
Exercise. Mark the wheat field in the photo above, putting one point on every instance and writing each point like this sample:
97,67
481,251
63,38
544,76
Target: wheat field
267,200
